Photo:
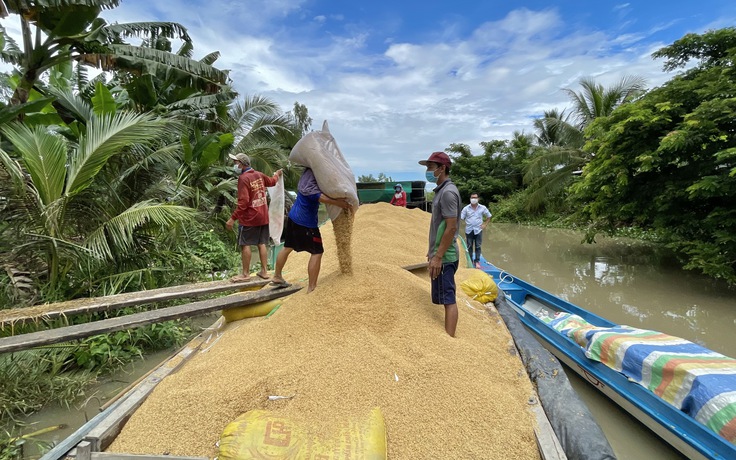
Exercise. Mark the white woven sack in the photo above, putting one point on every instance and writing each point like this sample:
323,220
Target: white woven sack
319,151
276,211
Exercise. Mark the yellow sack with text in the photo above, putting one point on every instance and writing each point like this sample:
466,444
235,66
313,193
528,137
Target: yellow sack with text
480,286
261,434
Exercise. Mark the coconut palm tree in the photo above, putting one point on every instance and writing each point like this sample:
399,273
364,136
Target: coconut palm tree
260,129
594,100
51,212
562,136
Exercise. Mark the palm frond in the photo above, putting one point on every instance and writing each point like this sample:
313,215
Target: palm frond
81,77
549,185
44,155
201,101
119,282
629,87
59,243
72,102
550,160
595,101
107,136
271,124
14,171
16,6
244,114
265,156
118,232
9,50
112,32
165,154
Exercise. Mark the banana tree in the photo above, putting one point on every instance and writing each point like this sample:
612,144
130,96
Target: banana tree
57,31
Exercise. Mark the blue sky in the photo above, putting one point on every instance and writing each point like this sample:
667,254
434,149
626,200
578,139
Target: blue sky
399,79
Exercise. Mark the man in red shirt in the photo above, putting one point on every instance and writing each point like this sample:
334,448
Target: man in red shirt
252,214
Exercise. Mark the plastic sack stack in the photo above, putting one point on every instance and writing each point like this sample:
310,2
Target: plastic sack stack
319,152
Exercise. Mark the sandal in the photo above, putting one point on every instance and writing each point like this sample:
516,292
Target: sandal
263,277
281,284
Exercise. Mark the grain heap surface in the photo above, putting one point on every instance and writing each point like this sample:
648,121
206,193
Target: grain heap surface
356,342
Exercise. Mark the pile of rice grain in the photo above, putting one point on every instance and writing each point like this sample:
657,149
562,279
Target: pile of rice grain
340,351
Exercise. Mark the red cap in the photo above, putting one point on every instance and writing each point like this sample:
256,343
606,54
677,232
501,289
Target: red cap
438,157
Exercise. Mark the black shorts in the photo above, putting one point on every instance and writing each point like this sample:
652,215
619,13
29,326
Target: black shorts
443,287
253,236
300,238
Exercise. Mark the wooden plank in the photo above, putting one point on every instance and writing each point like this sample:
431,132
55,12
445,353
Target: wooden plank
114,456
114,302
65,334
415,266
68,444
547,442
60,449
83,451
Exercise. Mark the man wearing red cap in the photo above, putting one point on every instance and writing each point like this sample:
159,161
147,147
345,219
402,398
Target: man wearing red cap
443,251
251,213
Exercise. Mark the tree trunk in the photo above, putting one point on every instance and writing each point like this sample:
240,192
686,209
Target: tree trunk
23,90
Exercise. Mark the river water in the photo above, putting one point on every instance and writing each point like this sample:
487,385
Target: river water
627,282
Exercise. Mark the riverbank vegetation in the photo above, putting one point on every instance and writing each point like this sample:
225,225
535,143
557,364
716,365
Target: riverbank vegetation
121,182
658,164
115,183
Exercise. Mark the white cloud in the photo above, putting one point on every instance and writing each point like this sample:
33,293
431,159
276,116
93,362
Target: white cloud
390,107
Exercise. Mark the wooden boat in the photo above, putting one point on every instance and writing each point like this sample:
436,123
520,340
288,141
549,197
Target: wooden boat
535,307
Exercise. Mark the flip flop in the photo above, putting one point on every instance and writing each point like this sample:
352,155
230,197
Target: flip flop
263,277
280,284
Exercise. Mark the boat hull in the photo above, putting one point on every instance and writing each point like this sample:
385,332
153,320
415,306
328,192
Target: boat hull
675,427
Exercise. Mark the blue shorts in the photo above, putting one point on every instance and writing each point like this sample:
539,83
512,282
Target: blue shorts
443,287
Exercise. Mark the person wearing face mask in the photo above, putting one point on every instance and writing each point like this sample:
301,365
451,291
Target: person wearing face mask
476,217
443,254
251,213
399,198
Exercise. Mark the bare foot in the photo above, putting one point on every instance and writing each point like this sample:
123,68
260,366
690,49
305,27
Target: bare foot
240,279
262,275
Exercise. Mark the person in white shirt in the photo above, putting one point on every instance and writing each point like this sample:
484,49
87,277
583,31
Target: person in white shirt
476,217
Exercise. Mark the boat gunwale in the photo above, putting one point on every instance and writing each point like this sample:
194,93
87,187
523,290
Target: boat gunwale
689,435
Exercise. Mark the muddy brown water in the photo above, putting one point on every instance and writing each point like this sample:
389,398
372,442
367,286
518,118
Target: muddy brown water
629,283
